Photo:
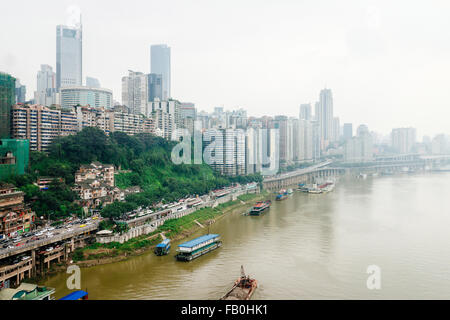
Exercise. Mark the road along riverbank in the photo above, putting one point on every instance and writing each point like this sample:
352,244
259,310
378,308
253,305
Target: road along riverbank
175,229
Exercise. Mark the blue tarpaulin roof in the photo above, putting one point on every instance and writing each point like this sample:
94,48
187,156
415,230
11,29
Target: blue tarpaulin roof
193,243
77,295
163,243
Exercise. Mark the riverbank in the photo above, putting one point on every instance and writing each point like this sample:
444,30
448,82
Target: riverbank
175,229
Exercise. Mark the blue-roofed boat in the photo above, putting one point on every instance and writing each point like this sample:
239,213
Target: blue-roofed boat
197,247
163,248
76,295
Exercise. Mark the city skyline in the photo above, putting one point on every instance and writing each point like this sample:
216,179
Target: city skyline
207,75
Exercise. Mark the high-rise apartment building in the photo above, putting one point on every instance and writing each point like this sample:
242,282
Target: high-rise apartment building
285,135
305,140
325,117
41,125
403,140
359,148
69,60
155,86
7,100
45,93
253,150
21,92
166,116
160,64
336,129
135,92
229,150
348,131
305,112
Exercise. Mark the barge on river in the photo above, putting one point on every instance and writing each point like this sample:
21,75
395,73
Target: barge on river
243,288
260,208
195,248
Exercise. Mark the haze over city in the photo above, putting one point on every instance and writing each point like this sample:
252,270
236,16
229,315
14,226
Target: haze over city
387,63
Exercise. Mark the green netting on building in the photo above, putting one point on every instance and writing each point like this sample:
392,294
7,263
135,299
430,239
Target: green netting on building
7,99
14,157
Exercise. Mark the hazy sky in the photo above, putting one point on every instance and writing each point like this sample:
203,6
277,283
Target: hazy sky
387,62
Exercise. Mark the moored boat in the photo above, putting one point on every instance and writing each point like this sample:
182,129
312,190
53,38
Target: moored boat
260,207
243,288
197,247
327,187
163,248
281,195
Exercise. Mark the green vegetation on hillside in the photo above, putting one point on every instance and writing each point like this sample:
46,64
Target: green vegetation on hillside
143,160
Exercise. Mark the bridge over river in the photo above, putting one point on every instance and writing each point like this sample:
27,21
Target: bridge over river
385,164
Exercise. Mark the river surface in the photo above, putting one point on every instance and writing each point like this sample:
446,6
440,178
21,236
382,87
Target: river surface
307,247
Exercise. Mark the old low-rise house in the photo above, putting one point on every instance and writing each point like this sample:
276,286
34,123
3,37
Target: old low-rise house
95,186
15,217
96,170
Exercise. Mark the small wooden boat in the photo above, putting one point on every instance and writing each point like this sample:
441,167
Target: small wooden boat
243,288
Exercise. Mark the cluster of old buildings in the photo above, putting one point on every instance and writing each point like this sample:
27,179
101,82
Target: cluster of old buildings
95,186
15,216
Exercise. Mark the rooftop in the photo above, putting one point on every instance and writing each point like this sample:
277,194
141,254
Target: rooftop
199,240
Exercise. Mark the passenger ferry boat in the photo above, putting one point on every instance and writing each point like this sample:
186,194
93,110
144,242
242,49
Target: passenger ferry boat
243,288
163,248
193,249
260,207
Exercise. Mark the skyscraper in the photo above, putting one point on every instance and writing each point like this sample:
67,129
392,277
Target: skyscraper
160,64
135,92
155,87
69,40
305,112
325,117
336,129
348,131
305,140
21,92
403,139
45,93
7,99
360,148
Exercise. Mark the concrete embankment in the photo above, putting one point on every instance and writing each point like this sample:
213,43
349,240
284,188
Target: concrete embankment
109,253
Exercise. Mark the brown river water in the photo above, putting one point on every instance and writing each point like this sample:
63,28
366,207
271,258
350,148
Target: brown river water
307,247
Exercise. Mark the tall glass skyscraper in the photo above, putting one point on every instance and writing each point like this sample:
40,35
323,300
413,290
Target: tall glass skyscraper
160,64
7,99
155,88
69,51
